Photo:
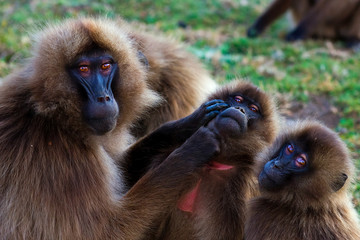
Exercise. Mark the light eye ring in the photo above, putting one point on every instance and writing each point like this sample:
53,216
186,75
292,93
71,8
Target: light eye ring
253,108
289,149
300,161
239,99
84,68
105,66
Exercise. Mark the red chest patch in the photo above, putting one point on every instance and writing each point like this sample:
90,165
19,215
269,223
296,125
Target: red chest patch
187,202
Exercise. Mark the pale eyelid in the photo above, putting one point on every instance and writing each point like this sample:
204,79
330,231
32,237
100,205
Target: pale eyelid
239,99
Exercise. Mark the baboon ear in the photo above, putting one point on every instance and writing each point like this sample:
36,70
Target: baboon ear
143,59
339,182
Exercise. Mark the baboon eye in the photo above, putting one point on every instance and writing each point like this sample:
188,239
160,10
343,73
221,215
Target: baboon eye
84,68
105,66
254,108
239,99
300,161
289,149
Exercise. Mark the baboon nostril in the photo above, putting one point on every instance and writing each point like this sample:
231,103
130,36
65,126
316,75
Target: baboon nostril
277,164
103,99
242,110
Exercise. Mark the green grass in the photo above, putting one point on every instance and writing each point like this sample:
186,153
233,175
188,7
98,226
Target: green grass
216,34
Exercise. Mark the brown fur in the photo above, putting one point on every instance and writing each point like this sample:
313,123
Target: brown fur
220,204
331,19
57,179
307,207
176,75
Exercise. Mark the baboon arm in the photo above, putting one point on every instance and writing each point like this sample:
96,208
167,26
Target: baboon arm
155,147
144,204
274,11
159,189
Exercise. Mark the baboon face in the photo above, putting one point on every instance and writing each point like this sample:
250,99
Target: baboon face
248,124
291,159
92,78
94,73
307,158
236,119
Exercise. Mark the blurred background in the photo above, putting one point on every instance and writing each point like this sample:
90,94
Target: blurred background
318,79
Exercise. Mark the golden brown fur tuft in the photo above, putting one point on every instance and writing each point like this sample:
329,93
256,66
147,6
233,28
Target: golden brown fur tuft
179,78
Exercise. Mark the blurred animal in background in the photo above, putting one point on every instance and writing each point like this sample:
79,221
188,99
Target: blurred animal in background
324,19
176,75
304,180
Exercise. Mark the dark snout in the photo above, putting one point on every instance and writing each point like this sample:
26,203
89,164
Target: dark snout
232,122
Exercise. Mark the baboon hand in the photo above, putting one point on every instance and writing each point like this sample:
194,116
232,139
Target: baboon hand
209,110
200,147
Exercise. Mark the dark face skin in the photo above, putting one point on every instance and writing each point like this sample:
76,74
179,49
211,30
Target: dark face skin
94,73
235,120
290,160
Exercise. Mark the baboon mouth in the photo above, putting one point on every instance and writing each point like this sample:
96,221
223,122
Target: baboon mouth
266,181
233,123
233,120
101,126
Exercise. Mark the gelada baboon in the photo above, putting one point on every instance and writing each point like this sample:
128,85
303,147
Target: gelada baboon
64,124
332,19
176,75
214,208
304,180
